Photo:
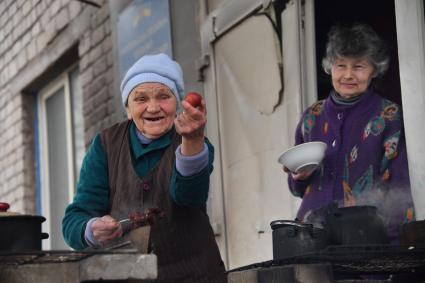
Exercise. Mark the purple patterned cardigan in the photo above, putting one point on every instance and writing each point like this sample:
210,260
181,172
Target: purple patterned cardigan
365,162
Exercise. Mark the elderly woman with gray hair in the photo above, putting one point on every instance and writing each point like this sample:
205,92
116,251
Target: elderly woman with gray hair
158,159
365,162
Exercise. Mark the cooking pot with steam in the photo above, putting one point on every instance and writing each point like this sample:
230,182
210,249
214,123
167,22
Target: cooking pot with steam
356,225
20,232
293,238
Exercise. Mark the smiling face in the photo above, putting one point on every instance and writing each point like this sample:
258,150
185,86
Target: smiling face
152,107
351,76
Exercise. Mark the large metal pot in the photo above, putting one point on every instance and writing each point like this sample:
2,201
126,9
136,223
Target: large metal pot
293,238
20,232
356,225
413,233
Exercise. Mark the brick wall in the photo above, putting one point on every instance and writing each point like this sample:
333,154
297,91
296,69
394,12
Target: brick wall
33,34
97,75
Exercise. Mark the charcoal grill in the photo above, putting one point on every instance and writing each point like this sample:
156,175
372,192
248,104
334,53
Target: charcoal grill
353,262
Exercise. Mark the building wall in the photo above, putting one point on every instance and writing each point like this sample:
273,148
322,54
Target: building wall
36,37
97,76
213,4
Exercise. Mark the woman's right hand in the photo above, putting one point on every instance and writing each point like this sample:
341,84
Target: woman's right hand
190,124
105,229
298,176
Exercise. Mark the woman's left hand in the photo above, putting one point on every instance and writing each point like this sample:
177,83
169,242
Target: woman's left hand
298,176
190,124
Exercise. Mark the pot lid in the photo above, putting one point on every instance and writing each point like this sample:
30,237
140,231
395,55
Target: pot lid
7,215
355,210
285,223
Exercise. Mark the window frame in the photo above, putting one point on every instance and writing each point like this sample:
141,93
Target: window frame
62,81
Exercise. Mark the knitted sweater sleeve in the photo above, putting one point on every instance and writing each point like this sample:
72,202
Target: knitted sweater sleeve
297,188
193,190
92,196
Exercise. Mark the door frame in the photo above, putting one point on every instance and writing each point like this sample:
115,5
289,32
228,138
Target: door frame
410,23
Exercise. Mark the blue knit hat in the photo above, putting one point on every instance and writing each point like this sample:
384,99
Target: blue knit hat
157,68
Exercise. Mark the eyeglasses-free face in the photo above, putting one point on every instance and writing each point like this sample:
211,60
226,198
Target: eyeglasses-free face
152,107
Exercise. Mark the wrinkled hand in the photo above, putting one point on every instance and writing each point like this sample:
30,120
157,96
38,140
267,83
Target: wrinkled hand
105,229
190,124
298,176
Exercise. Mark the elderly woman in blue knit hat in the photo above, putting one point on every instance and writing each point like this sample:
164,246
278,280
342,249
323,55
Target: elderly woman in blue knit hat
158,160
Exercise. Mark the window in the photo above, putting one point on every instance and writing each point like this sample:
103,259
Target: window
61,147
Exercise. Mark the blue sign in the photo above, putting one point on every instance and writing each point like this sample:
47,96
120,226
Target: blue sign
143,28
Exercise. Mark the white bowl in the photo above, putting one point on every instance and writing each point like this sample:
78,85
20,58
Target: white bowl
303,157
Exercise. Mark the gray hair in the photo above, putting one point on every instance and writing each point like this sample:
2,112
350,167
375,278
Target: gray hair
358,41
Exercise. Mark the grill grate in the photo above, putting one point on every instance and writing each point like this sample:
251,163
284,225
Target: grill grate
377,259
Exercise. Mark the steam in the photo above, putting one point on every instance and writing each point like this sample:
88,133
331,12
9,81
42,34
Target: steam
392,204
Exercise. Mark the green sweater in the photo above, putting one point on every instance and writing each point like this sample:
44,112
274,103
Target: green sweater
92,197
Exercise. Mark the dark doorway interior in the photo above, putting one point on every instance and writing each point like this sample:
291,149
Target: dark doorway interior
380,14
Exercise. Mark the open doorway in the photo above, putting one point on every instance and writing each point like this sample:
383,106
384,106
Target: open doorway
380,15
